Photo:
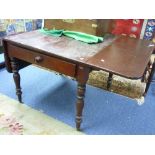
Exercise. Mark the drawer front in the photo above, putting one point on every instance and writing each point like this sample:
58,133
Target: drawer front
49,62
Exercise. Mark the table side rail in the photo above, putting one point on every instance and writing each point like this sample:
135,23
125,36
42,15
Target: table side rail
49,62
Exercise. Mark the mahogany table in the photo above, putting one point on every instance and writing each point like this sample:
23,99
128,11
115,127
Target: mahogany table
120,55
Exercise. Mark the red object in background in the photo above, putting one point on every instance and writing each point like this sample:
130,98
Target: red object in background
129,27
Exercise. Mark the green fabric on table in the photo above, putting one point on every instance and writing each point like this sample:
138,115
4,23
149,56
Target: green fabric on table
56,33
87,38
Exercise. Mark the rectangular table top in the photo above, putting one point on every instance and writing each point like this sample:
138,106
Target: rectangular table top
120,55
125,56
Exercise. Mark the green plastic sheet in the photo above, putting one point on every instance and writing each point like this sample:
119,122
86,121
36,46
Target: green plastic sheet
84,37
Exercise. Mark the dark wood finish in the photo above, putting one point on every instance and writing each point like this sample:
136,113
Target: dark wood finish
21,63
80,104
16,77
60,47
150,78
82,77
126,57
119,55
91,26
147,71
42,60
144,76
123,56
109,81
6,56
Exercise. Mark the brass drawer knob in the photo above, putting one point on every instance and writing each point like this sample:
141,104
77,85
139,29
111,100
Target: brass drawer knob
38,59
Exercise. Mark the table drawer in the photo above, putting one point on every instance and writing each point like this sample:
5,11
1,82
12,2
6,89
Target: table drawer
49,62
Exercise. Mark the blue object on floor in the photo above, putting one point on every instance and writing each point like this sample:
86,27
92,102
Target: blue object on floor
104,112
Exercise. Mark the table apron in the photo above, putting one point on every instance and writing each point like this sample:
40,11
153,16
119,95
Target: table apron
43,60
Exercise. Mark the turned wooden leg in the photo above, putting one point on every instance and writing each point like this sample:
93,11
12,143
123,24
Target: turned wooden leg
16,77
144,75
80,104
150,78
109,81
145,72
82,77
